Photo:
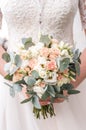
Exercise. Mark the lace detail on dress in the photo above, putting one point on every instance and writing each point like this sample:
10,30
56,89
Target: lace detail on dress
82,7
29,18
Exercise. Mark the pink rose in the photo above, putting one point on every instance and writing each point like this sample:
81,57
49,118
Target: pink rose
54,53
42,84
55,41
44,52
60,76
51,65
32,63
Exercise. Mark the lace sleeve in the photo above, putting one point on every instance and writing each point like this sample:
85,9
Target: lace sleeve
82,8
0,18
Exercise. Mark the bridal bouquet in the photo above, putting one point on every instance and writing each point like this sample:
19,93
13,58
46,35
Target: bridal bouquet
45,69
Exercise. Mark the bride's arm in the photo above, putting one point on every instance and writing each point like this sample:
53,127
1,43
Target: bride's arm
82,76
82,8
2,62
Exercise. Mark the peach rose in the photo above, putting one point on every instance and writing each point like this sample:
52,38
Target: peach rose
55,51
60,76
42,84
51,65
32,63
17,76
53,54
54,41
44,52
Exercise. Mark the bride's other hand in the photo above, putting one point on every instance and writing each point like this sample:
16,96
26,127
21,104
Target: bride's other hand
2,62
82,75
58,100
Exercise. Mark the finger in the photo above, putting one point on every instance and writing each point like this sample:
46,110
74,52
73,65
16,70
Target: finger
59,100
44,103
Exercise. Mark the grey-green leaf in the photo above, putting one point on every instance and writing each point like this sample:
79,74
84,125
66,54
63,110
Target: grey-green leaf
26,100
36,103
27,42
17,87
60,96
30,81
6,57
12,92
18,61
51,91
9,77
73,91
64,63
45,39
77,66
35,74
76,54
45,95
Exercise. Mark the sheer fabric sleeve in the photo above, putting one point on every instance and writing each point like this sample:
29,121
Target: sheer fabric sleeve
82,9
0,18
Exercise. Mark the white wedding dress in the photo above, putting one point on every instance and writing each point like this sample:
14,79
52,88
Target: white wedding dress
27,18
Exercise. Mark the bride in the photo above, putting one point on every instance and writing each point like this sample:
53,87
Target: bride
27,18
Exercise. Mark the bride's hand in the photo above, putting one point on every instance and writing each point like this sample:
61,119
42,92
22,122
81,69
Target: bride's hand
46,102
58,100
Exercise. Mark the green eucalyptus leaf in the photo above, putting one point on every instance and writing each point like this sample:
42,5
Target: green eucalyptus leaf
35,74
45,39
73,91
30,81
12,92
57,88
6,57
45,95
26,100
76,54
27,42
72,67
17,87
77,66
51,91
20,82
60,96
18,61
36,103
64,64
9,77
31,92
67,87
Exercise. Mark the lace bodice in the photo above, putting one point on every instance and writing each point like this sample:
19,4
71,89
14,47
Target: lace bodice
27,18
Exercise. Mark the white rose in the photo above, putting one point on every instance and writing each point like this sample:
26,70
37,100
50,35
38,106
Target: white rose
39,90
41,60
63,81
55,45
33,51
24,63
42,74
61,44
64,52
53,80
39,45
